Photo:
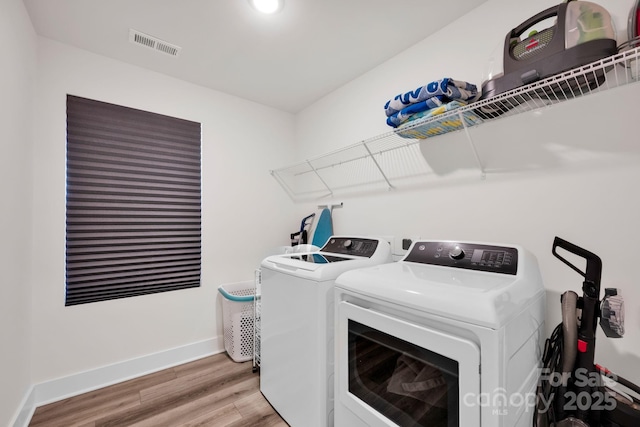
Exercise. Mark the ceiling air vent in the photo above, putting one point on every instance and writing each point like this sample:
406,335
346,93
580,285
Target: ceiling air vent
142,39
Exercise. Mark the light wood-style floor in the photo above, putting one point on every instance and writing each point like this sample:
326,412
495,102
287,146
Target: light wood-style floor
214,391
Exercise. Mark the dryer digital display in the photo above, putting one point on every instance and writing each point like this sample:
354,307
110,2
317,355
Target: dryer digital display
495,259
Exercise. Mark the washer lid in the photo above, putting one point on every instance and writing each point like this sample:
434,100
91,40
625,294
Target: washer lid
479,297
327,264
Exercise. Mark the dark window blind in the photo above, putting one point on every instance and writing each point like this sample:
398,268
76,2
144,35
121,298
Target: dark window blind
133,202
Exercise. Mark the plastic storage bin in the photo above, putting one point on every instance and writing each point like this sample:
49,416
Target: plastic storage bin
238,319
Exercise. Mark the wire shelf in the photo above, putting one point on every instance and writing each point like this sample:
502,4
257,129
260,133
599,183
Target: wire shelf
389,160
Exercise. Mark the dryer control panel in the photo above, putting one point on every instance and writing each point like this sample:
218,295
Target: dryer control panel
356,246
472,256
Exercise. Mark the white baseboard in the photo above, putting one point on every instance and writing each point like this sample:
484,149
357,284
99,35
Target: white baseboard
27,408
73,385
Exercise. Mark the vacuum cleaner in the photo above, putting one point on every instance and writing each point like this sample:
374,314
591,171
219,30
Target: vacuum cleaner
573,391
582,33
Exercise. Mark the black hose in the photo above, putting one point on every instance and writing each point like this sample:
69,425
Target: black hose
546,392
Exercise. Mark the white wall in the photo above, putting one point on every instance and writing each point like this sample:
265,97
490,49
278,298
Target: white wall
17,87
570,170
242,216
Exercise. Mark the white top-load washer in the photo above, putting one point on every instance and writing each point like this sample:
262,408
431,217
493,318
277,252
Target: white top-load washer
297,323
448,336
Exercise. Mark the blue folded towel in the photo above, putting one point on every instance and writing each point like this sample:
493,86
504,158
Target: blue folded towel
406,113
447,87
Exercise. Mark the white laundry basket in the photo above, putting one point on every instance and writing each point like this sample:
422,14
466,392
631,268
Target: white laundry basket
238,319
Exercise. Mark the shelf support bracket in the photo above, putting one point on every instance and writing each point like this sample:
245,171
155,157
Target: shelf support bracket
364,144
483,174
320,178
330,206
283,184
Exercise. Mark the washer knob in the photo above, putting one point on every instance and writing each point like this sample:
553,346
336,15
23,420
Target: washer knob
347,243
456,253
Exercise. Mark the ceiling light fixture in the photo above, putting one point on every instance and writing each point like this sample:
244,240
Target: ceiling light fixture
267,6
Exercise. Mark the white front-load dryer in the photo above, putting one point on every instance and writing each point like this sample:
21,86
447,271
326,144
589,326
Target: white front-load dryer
450,336
297,322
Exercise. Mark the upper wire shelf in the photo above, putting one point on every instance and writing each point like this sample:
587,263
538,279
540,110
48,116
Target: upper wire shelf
391,159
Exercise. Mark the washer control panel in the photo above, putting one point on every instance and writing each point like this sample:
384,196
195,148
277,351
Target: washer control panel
351,246
471,256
